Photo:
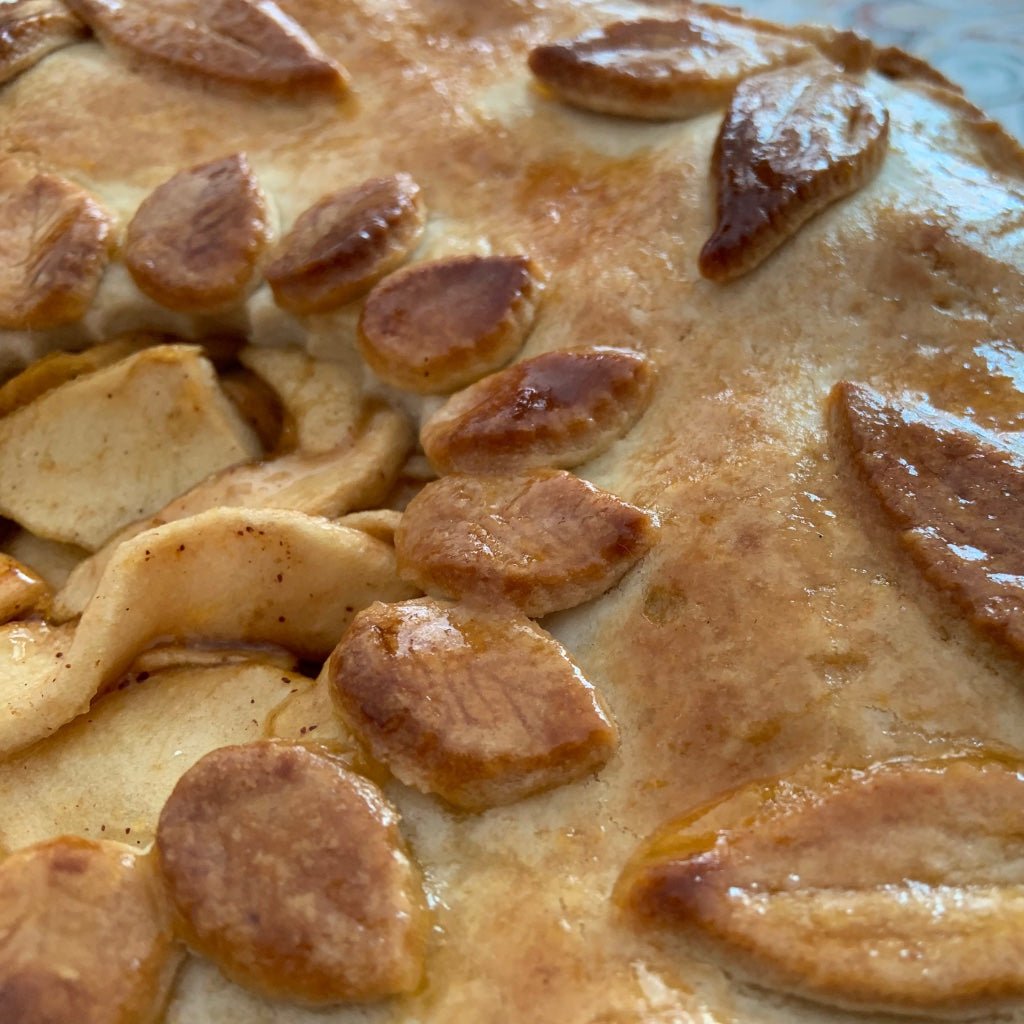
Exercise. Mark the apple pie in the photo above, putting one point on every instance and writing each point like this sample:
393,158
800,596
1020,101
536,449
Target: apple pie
511,512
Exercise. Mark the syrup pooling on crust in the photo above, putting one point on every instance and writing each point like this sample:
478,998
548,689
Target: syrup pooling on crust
194,242
793,141
289,872
30,29
897,888
955,493
556,409
55,241
345,243
85,936
539,542
21,590
481,709
663,69
245,42
438,326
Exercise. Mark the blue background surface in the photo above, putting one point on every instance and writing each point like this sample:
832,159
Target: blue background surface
977,43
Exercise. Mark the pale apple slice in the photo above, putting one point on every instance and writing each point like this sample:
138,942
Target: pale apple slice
323,400
108,773
356,476
60,367
238,576
92,455
32,704
899,887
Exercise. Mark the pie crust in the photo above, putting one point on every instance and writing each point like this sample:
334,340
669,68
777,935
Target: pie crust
734,524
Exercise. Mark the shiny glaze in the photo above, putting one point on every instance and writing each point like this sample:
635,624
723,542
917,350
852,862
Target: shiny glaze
55,241
557,409
346,242
955,494
194,242
663,69
479,708
773,626
896,888
441,325
792,142
239,41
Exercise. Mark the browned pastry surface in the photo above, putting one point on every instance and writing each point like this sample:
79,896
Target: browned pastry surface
777,623
85,935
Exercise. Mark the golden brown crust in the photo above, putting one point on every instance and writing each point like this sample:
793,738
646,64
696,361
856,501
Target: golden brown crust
557,409
245,42
85,936
55,240
897,888
481,709
438,326
955,494
30,29
663,69
194,242
767,185
345,243
289,872
540,542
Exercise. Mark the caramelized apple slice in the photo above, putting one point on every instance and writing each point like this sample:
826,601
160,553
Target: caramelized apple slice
55,241
194,242
793,142
30,29
438,326
540,542
91,456
345,243
85,935
955,493
21,590
557,409
131,748
899,888
289,872
663,69
482,709
246,42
